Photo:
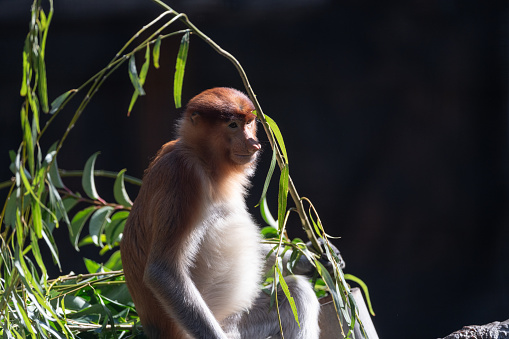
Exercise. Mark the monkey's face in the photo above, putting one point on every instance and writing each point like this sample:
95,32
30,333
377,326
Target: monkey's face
243,144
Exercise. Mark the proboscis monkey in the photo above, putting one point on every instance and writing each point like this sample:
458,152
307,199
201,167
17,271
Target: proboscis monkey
191,252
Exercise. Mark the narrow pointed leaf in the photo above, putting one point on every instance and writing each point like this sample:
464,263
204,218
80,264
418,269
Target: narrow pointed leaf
283,196
133,75
269,175
42,86
266,215
88,181
119,191
57,103
50,242
114,263
92,266
116,227
364,289
279,137
146,65
26,69
97,223
37,253
286,291
77,223
156,51
37,219
143,76
179,70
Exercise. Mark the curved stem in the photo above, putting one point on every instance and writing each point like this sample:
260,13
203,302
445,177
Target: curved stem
100,173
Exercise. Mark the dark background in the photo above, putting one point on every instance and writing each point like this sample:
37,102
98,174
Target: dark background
394,115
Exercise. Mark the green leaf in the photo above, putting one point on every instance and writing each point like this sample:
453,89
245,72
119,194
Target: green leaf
37,219
26,68
279,137
114,263
97,223
283,196
87,180
119,191
266,215
286,291
50,242
269,232
28,138
42,86
133,75
11,209
37,253
269,175
364,289
333,289
116,227
143,76
92,266
179,70
146,65
75,303
57,103
77,223
156,51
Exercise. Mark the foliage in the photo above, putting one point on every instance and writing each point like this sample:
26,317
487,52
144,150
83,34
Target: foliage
39,202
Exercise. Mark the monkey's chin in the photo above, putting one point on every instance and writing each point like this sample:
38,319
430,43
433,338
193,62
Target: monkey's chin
243,159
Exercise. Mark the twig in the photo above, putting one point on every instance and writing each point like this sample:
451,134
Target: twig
293,191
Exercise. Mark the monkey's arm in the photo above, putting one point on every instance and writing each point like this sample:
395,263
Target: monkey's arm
176,208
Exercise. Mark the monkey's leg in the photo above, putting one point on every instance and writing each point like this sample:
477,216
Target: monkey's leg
260,322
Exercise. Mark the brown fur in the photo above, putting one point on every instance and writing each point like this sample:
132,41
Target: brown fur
205,164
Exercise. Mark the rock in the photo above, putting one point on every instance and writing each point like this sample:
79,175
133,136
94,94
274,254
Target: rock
494,330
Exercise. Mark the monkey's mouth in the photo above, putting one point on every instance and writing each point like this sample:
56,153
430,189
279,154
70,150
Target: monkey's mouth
242,158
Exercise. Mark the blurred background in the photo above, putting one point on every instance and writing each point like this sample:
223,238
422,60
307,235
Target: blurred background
394,115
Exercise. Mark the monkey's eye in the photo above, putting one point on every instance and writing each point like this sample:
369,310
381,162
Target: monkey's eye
233,125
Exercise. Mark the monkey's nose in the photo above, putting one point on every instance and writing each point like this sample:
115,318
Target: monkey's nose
254,146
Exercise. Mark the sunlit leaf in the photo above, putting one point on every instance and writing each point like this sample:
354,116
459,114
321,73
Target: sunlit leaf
114,263
364,289
50,242
115,227
75,303
156,51
269,176
266,215
279,137
283,195
269,232
98,222
77,223
37,253
179,70
26,68
88,181
42,86
92,266
142,77
133,75
286,291
119,191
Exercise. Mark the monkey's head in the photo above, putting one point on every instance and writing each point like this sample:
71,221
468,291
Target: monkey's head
220,126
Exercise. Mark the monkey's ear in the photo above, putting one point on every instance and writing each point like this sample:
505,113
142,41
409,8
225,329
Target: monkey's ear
194,118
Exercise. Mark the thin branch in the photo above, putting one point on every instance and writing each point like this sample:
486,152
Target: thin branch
293,191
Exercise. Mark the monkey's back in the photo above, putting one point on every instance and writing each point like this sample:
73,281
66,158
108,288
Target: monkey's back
139,231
